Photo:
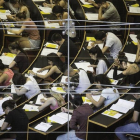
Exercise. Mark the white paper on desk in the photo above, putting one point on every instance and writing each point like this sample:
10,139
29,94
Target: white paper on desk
46,9
131,57
134,38
64,116
100,45
6,60
43,126
41,73
51,25
58,119
47,51
30,107
39,97
119,108
84,2
134,9
91,16
15,29
110,73
84,65
13,89
63,79
3,16
55,89
96,97
118,115
1,122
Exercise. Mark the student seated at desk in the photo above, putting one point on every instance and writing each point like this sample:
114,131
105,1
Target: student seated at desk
21,59
33,39
55,67
15,118
132,71
6,75
111,42
108,12
54,102
101,63
108,94
78,122
62,16
20,6
63,50
29,86
80,75
133,125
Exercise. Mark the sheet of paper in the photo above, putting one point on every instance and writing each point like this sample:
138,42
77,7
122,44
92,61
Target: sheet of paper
84,2
15,29
41,73
46,9
134,9
51,45
119,108
58,119
91,16
43,126
47,51
6,60
13,89
131,57
51,25
63,79
100,45
29,107
64,116
58,89
96,97
134,37
1,122
111,113
84,65
110,73
39,97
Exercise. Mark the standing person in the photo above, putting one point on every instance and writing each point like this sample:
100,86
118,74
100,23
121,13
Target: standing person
16,118
21,59
33,39
78,122
111,42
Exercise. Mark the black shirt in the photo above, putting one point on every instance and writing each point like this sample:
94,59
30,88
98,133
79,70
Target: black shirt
137,108
19,123
22,62
72,49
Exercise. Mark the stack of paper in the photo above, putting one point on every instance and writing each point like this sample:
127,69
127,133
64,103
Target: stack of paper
58,89
1,122
39,97
84,65
51,45
92,16
51,25
28,107
43,126
100,45
41,73
61,118
131,57
134,38
6,60
122,106
46,9
134,9
110,73
47,51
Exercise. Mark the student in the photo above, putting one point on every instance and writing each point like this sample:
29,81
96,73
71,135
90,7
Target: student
6,75
108,12
20,7
55,101
132,71
83,80
62,16
33,39
78,122
29,86
111,42
16,118
55,67
133,125
138,49
108,94
21,59
63,50
102,63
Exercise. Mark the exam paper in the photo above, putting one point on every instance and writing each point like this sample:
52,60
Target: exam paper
41,73
15,29
91,16
46,9
110,73
134,9
134,38
119,108
39,97
6,60
28,107
43,126
51,25
111,113
131,57
63,79
47,51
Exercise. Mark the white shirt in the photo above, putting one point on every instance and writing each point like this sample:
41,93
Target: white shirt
109,95
114,44
32,87
84,82
1,102
101,67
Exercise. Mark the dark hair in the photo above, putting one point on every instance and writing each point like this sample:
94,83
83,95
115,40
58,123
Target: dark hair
57,9
9,103
55,59
100,1
21,15
77,100
2,66
103,79
15,45
138,36
122,57
19,79
100,35
56,37
100,55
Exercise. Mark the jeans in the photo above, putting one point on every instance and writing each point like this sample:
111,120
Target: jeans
68,136
131,128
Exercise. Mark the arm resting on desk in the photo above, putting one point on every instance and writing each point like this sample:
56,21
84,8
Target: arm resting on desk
20,91
4,126
100,17
17,32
